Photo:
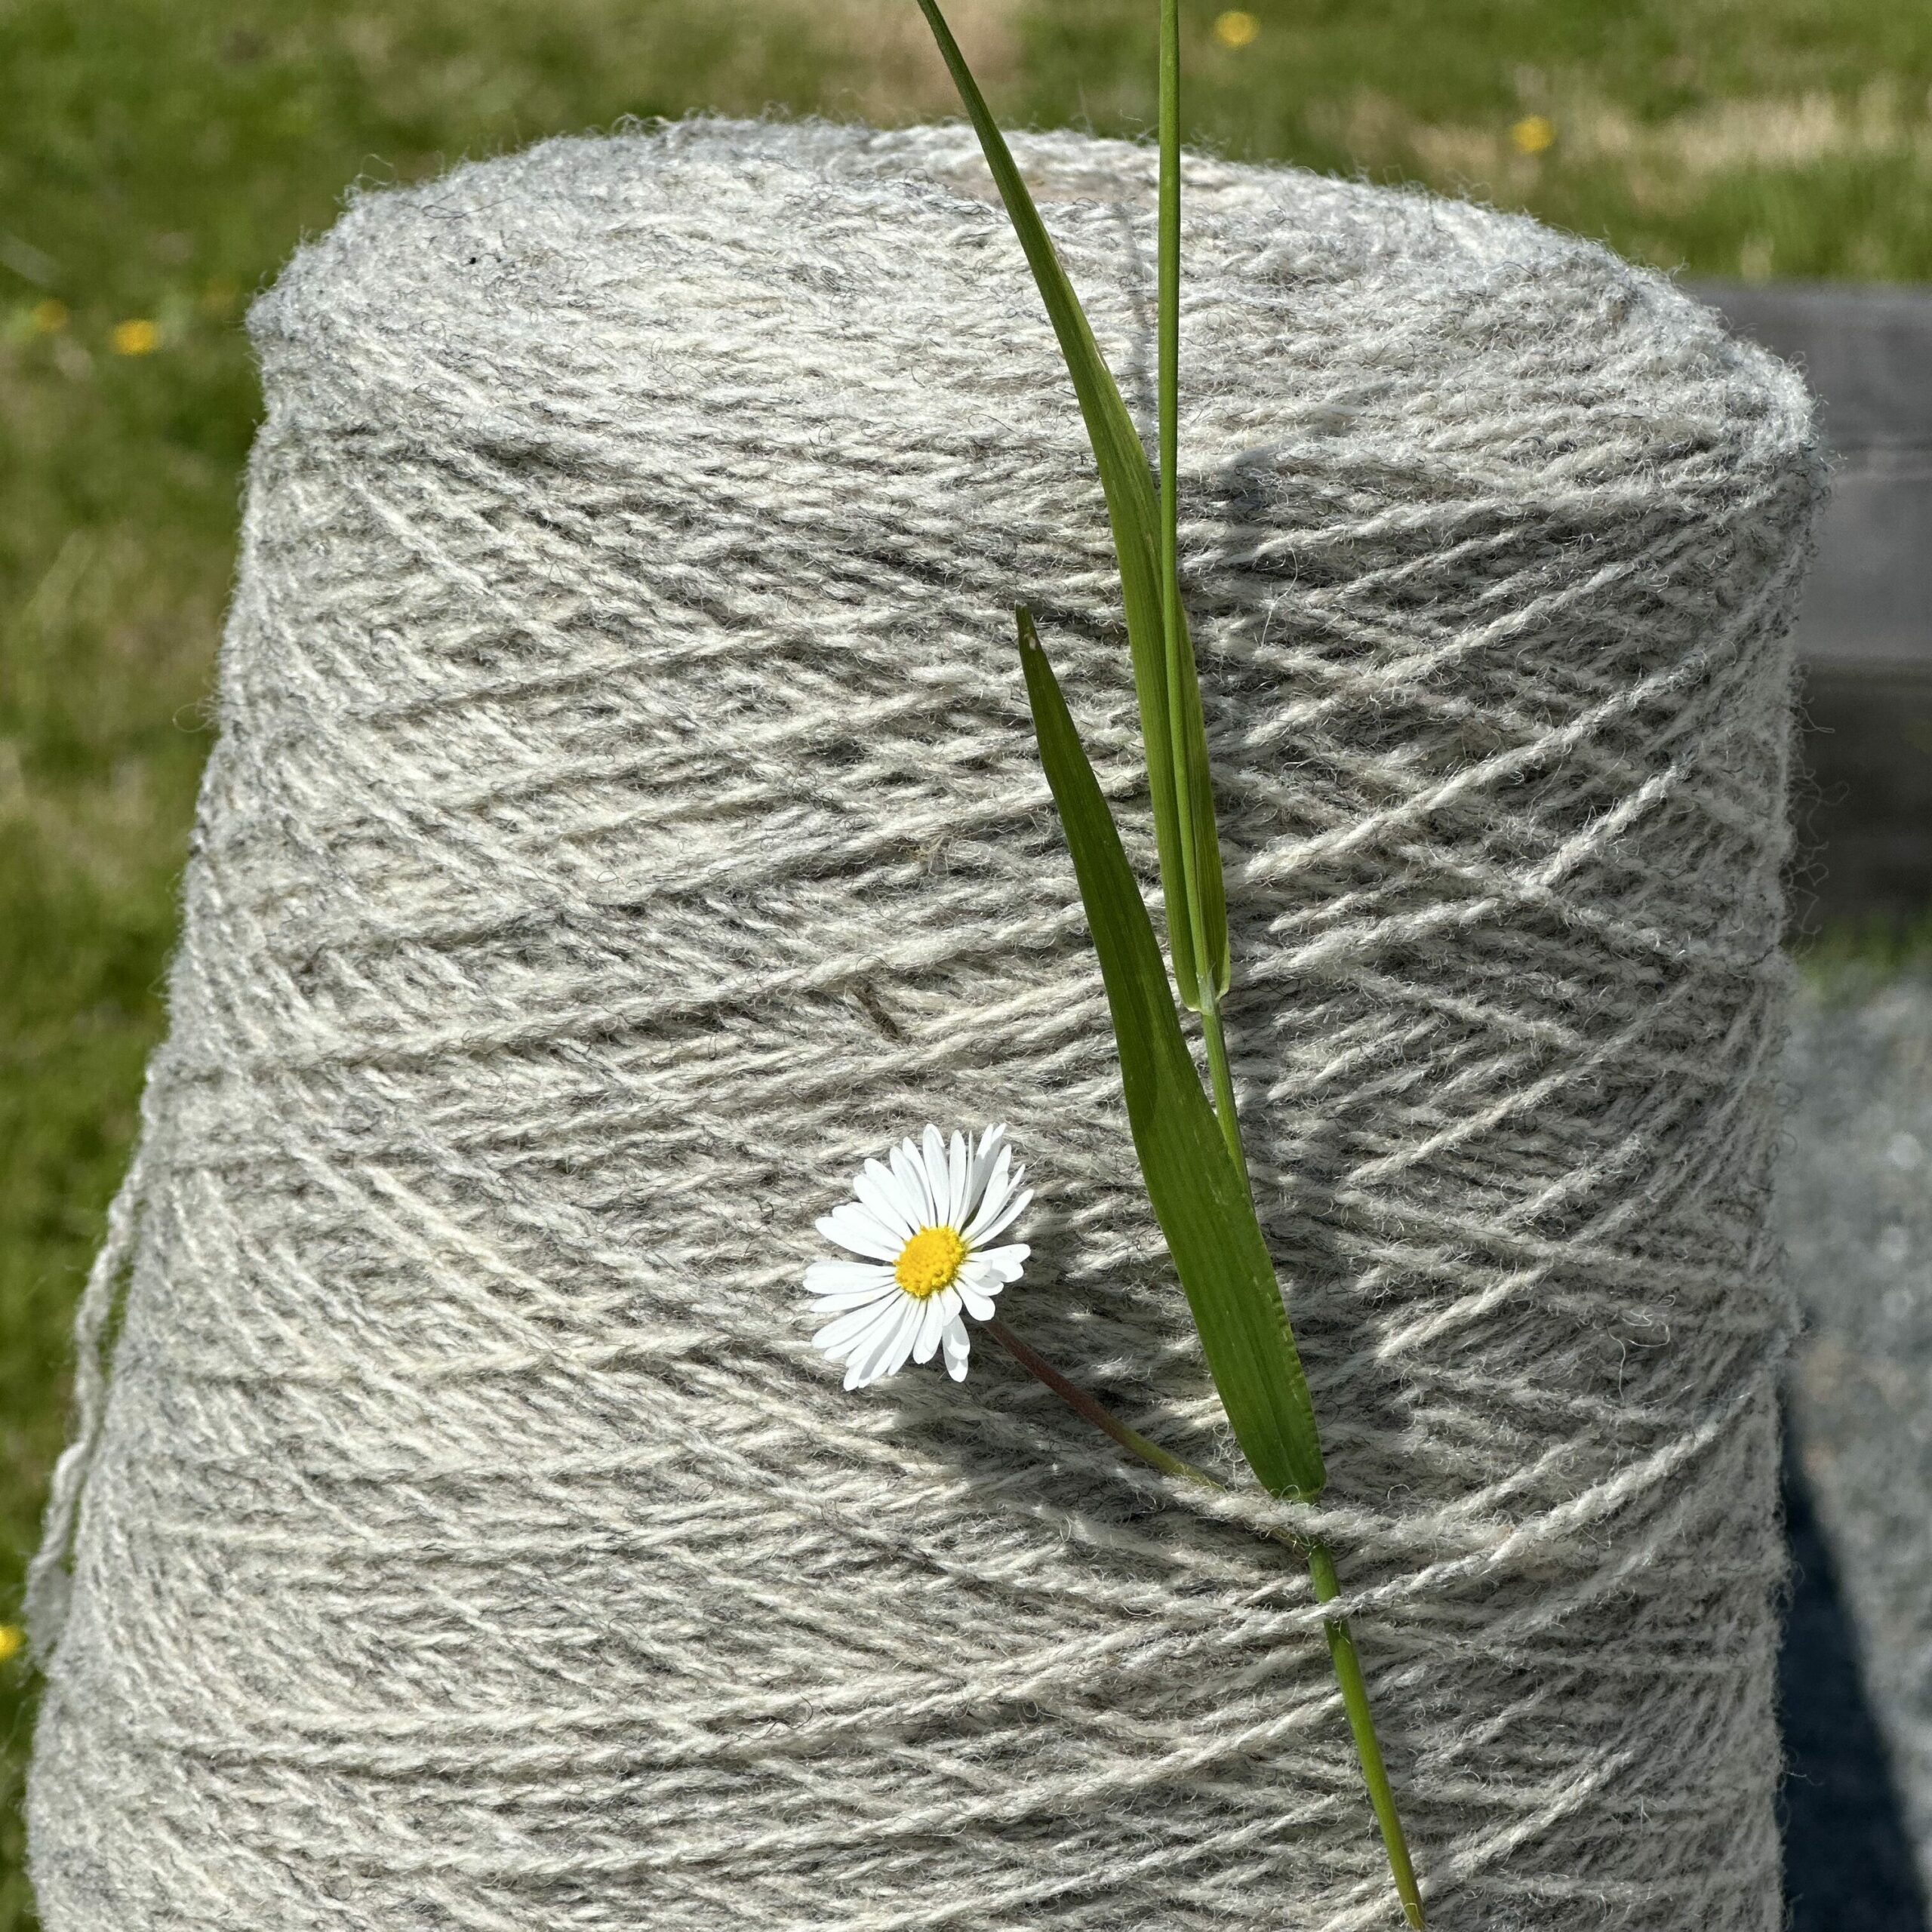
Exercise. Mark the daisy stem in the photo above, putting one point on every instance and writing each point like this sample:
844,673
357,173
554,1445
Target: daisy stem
1077,1399
1321,1573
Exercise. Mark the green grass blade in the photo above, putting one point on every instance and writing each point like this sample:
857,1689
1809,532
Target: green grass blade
1167,308
1190,865
1209,904
1198,1196
1194,796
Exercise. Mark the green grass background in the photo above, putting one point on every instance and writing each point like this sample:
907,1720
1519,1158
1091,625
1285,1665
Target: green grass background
159,159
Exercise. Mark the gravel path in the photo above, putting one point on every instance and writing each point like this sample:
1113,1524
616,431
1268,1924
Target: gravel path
1856,1203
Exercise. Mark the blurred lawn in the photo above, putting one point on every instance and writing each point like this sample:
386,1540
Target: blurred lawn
158,158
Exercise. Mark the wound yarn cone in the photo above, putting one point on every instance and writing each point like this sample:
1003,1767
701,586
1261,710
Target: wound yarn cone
624,819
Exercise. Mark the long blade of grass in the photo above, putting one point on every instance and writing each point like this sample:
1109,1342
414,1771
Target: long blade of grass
1191,881
1194,798
1199,1197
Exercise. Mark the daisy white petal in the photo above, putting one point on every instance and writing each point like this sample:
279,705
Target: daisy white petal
1017,1205
958,1166
999,1179
978,1165
851,1298
852,1345
1004,1264
938,1176
932,1319
983,1281
878,1188
957,1348
1004,1199
852,1227
836,1277
990,1143
847,1330
977,1301
912,1173
895,1350
856,1324
886,1356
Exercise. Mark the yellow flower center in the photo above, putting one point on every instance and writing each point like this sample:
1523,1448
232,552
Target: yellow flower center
929,1261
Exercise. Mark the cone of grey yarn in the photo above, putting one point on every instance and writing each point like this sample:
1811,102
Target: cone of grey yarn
624,820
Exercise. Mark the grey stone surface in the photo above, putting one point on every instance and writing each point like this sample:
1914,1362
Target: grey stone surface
1855,1202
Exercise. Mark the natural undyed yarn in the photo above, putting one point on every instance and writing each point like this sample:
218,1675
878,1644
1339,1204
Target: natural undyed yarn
624,819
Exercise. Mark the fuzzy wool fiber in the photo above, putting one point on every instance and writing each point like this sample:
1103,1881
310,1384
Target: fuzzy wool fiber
625,819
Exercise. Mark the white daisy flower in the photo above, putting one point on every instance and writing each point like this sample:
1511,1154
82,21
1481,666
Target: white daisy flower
920,1229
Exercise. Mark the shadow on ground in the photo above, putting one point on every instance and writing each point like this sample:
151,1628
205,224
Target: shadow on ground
1847,1864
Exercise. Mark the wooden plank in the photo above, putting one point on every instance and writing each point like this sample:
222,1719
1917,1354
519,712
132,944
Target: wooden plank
1864,802
1865,633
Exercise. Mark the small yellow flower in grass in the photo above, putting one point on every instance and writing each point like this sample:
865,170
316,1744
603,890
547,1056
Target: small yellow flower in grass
1535,133
135,337
12,1641
1236,28
50,317
920,1229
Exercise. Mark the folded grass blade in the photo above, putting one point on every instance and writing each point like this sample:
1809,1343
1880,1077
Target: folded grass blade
1198,1195
1165,679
